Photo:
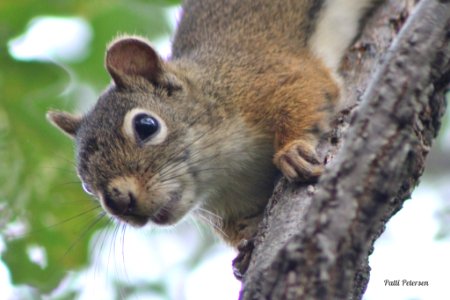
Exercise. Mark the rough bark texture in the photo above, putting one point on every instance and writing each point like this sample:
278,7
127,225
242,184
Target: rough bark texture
315,240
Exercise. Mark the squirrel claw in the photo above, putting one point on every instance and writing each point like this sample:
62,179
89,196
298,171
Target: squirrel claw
298,161
241,262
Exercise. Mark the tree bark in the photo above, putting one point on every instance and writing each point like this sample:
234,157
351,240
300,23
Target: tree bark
315,239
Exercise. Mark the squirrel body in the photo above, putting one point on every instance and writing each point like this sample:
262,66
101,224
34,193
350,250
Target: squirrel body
250,88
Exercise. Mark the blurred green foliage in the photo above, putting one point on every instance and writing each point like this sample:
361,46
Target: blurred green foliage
38,185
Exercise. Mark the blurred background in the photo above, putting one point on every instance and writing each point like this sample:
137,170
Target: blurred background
52,243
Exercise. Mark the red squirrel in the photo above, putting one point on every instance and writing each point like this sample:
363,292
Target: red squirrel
248,91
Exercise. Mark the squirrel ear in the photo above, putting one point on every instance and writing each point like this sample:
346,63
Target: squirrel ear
131,57
66,122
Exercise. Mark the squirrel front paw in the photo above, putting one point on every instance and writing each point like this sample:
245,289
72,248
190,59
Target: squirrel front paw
298,161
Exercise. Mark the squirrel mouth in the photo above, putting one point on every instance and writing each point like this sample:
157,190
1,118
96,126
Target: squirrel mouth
164,214
135,220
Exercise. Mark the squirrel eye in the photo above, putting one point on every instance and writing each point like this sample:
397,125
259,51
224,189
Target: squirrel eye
145,126
87,188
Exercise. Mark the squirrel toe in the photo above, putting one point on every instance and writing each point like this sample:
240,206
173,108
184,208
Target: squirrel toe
298,161
242,260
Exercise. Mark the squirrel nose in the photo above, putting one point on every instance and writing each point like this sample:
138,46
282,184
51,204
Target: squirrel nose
120,203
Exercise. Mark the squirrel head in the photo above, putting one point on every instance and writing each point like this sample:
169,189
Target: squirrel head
135,148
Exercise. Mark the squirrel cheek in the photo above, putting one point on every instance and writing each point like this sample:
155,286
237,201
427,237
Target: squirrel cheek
179,205
171,204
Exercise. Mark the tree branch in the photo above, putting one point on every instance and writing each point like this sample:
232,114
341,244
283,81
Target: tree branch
315,241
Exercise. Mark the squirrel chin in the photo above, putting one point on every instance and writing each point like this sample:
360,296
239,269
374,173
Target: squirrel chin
134,220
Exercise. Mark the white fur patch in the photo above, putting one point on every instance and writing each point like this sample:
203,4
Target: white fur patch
337,26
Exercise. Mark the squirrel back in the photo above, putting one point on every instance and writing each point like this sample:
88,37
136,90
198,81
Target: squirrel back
325,27
248,92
